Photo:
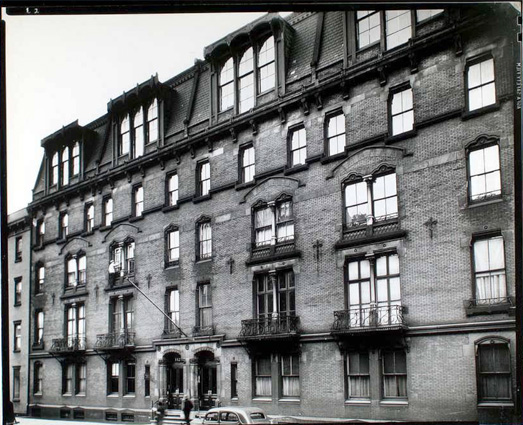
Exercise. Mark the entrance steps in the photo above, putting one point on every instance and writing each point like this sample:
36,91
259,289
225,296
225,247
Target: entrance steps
177,417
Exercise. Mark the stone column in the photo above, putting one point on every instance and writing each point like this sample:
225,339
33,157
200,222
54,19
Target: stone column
218,379
162,379
193,381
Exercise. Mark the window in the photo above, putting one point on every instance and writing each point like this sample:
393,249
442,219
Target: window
76,159
40,278
374,299
205,240
152,122
81,379
489,270
370,201
494,371
111,416
130,378
54,169
423,15
401,112
290,375
481,86
275,297
18,291
39,328
40,232
394,367
298,147
113,377
37,378
89,217
138,133
335,134
122,259
107,213
18,249
172,189
204,178
398,27
75,314
147,381
67,379
484,173
226,84
16,383
63,225
204,306
76,270
274,223
263,377
137,207
65,166
127,417
17,341
125,136
122,315
173,310
358,375
173,246
234,380
246,81
368,27
266,66
247,164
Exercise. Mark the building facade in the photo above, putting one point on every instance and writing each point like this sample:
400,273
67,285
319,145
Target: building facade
324,209
19,264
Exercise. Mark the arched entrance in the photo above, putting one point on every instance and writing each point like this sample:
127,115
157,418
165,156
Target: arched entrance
174,379
206,379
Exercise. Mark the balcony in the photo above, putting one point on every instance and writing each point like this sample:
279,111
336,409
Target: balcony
203,330
171,333
369,319
378,229
499,305
68,345
115,340
284,248
276,327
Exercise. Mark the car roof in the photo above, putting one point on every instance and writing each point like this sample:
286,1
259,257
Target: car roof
236,409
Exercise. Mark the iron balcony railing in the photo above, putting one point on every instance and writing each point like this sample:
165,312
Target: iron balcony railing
369,318
203,330
276,325
282,246
489,305
68,344
114,340
477,302
360,228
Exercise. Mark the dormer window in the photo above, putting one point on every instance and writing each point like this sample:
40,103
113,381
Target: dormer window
226,84
76,159
65,163
65,166
138,127
54,169
246,81
266,66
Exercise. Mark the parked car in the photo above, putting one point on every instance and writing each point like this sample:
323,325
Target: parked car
236,416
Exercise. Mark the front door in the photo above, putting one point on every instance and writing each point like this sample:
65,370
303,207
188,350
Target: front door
207,388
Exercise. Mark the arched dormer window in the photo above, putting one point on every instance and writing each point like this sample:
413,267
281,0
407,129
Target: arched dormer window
494,370
246,80
65,166
172,246
266,66
138,133
152,122
54,169
226,85
125,136
76,159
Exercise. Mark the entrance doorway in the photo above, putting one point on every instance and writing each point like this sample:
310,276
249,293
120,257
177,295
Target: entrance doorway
207,387
174,376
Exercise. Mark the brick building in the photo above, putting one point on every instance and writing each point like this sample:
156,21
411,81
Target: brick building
324,208
19,264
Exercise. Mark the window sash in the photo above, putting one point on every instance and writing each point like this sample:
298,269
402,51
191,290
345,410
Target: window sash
426,14
125,136
174,245
402,112
108,211
65,166
336,134
398,27
298,147
130,378
76,159
152,122
205,240
204,178
173,189
368,23
248,164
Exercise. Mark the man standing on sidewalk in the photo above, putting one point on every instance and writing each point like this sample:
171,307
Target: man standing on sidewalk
187,407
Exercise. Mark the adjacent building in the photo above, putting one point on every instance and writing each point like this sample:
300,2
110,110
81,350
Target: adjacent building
323,207
19,264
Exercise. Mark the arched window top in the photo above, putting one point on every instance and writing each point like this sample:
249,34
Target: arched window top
227,72
65,154
492,340
266,54
246,62
152,112
124,126
171,227
55,159
138,117
203,219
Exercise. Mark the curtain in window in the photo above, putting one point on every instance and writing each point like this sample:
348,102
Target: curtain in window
263,224
291,386
359,386
489,263
395,386
263,386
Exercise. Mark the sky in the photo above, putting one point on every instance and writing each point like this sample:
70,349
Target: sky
65,68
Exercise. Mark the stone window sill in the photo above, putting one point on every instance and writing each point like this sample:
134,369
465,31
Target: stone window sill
133,219
394,403
481,203
358,402
477,112
263,399
296,169
496,404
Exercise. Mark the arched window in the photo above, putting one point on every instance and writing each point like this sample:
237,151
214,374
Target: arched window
54,169
266,66
138,133
494,370
172,246
125,136
65,166
39,278
76,159
246,80
204,242
152,122
226,84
